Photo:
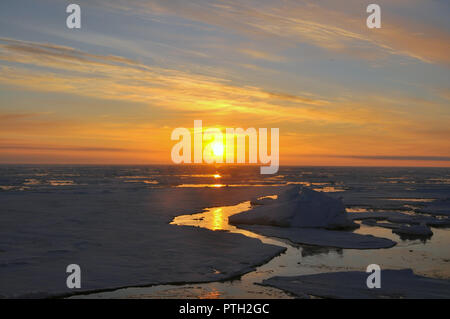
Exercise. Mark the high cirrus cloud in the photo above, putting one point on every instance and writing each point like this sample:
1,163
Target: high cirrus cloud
338,27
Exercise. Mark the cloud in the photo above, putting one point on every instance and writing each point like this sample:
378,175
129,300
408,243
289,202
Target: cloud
16,49
334,27
33,147
371,123
392,158
54,68
262,55
17,116
444,94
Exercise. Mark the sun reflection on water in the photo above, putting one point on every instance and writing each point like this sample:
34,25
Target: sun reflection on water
217,219
214,294
212,218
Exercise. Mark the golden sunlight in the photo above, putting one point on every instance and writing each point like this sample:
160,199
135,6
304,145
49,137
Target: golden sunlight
217,219
217,148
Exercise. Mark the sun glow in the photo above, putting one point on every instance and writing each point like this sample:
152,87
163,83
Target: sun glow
217,219
217,149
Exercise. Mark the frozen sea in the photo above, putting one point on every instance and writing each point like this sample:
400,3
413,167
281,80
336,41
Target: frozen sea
163,232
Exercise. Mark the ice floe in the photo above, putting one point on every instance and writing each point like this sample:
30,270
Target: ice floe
119,239
408,226
322,237
438,207
401,218
414,230
394,284
405,231
304,216
297,207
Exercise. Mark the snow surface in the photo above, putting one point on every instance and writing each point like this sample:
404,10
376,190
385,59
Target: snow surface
119,238
401,218
297,207
322,237
415,230
305,216
439,207
394,284
421,230
402,224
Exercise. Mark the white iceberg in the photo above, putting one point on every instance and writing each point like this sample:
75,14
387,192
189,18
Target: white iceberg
297,207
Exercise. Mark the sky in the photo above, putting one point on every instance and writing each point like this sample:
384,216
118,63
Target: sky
113,91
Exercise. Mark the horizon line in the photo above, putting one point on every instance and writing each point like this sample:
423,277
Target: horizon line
214,164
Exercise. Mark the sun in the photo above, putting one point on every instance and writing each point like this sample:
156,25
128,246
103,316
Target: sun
217,149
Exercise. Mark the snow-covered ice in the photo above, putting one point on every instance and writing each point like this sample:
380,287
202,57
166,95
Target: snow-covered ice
113,221
322,237
304,216
394,284
414,231
438,207
402,224
401,218
297,207
119,239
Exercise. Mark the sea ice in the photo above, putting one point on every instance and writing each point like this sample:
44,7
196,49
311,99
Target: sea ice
438,207
402,224
297,207
414,230
421,230
394,284
119,239
304,216
322,237
401,218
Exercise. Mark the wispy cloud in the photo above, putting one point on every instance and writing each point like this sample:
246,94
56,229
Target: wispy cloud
298,65
323,24
392,158
54,68
115,77
28,147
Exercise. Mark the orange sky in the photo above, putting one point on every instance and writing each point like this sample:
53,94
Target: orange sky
113,91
